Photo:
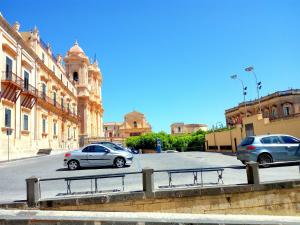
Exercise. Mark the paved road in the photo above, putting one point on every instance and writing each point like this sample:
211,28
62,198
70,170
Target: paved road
13,174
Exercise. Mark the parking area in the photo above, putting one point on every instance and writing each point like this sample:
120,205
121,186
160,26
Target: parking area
13,174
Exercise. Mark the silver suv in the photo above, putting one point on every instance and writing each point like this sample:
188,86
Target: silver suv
97,155
269,148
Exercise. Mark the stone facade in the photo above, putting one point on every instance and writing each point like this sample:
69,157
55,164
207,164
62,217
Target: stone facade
278,105
87,78
134,124
273,198
280,115
40,106
112,130
181,128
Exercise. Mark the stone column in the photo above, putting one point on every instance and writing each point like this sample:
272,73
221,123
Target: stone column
252,173
33,191
148,181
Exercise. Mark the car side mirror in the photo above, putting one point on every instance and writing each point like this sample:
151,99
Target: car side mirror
107,151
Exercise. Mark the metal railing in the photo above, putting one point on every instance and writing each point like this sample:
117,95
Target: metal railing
55,103
12,77
28,88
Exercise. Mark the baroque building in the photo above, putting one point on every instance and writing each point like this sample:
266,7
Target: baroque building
181,128
44,103
281,104
88,80
134,124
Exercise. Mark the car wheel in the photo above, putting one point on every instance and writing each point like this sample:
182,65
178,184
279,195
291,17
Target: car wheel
263,159
119,162
73,165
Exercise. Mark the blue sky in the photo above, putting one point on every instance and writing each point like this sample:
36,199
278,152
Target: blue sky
172,60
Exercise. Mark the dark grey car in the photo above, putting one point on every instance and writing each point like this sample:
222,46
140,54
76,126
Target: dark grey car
97,155
269,148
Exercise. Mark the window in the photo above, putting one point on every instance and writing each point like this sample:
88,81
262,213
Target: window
99,149
270,140
8,68
44,90
88,149
62,103
74,133
69,133
43,57
274,112
135,124
289,140
54,98
266,113
53,68
106,128
179,129
7,117
26,80
54,128
44,125
247,141
75,76
68,106
61,76
25,122
287,109
67,84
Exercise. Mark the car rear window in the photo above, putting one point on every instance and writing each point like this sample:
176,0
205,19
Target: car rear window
247,141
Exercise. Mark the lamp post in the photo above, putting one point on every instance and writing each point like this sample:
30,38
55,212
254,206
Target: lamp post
235,77
258,84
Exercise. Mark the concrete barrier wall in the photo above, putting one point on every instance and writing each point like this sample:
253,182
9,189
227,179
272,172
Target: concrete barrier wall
277,198
26,217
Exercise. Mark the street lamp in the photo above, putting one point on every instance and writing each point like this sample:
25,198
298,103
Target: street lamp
258,84
235,77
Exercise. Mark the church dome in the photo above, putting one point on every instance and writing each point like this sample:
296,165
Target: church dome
76,49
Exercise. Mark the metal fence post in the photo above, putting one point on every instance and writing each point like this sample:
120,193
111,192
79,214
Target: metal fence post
148,181
252,173
33,191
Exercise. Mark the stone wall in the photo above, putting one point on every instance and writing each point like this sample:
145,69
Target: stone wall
276,198
289,125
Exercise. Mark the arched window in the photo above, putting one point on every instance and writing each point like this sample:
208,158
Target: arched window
287,109
179,129
274,112
266,113
135,124
75,76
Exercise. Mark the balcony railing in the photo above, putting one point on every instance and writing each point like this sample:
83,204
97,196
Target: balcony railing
12,77
28,88
55,103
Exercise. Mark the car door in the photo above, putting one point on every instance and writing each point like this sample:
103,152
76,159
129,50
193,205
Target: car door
292,147
100,156
83,156
275,147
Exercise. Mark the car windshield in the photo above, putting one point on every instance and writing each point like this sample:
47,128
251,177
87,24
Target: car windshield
247,141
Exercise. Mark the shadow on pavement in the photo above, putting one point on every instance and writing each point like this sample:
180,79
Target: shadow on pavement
92,168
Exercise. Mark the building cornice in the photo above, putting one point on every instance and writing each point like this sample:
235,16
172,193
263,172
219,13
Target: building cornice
290,92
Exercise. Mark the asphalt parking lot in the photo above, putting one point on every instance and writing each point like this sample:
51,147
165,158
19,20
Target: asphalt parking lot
13,174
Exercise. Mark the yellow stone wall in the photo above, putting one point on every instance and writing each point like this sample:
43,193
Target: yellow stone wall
289,125
273,202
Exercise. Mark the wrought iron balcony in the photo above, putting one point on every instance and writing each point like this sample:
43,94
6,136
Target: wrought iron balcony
29,89
10,77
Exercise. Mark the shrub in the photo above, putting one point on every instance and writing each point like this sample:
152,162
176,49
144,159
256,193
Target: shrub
185,142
